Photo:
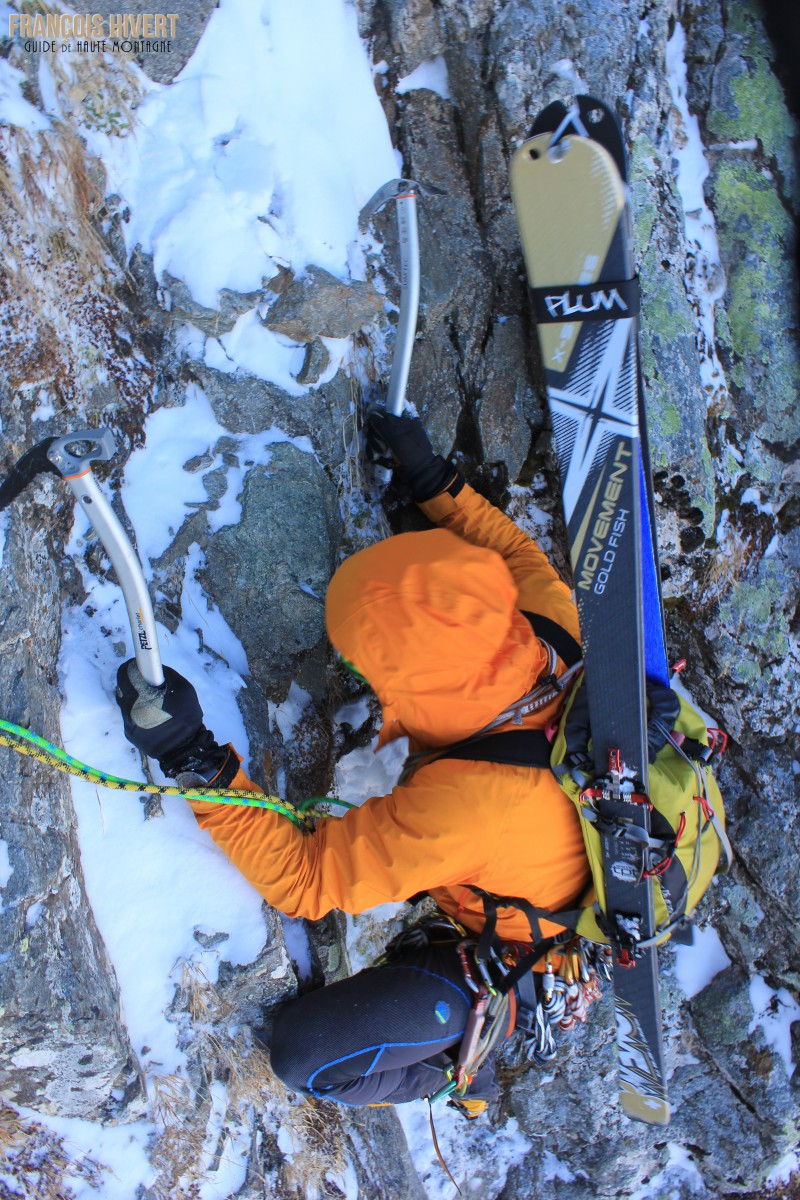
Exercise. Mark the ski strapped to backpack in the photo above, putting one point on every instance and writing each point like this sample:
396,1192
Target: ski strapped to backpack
680,853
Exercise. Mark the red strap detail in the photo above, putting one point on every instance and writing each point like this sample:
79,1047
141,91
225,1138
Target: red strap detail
719,740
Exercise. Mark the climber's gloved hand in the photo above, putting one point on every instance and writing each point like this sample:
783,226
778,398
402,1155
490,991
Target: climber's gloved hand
423,472
166,723
663,708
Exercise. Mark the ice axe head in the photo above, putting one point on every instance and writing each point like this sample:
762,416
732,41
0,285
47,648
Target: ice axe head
67,457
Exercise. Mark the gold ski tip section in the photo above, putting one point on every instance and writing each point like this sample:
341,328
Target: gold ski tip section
568,201
643,1108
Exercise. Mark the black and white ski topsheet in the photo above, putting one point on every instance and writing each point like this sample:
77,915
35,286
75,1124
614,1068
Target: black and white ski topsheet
569,192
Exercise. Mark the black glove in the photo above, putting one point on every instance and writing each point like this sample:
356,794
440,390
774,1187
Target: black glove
664,706
166,723
424,473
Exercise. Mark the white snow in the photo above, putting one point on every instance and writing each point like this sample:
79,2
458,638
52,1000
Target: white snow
150,883
478,1156
6,869
680,1169
783,1170
286,715
272,137
696,965
45,409
363,772
752,496
775,1012
14,109
176,436
298,945
121,1149
431,74
554,1168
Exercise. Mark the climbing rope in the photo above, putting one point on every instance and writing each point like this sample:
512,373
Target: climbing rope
33,746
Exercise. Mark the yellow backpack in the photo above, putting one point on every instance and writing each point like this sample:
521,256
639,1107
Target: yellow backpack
687,819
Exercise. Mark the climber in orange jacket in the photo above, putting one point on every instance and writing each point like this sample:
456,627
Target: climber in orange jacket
436,623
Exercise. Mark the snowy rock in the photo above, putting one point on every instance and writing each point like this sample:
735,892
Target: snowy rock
214,322
63,1044
318,304
315,362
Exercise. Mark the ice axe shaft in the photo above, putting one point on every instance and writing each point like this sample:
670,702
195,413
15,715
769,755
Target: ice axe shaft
405,193
70,457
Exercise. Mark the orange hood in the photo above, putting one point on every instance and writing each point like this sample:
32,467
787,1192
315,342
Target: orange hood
431,621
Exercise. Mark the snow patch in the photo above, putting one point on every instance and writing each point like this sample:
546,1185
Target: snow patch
753,496
554,1168
696,965
784,1169
151,883
478,1156
6,870
14,109
45,409
225,1148
286,715
366,772
174,439
298,945
122,1151
681,1169
775,1013
221,150
431,75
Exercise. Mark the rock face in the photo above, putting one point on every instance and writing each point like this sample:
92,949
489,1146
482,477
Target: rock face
721,364
64,1046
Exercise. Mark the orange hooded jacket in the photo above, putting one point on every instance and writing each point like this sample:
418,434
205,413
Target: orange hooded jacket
434,622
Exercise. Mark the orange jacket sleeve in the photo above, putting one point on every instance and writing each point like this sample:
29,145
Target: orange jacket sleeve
541,590
386,850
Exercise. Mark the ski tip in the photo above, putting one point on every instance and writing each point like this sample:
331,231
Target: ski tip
649,1109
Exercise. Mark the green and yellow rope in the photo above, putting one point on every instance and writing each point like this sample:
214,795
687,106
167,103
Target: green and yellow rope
33,746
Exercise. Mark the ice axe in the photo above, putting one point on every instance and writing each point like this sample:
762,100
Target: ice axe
405,192
69,458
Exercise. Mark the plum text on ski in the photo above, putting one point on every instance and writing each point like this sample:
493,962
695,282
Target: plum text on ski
569,302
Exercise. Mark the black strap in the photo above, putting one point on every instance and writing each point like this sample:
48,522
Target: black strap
602,301
515,747
564,644
568,918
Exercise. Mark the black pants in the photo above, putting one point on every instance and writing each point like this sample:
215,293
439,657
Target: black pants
379,1035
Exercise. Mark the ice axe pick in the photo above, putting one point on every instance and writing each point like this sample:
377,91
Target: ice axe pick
70,457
